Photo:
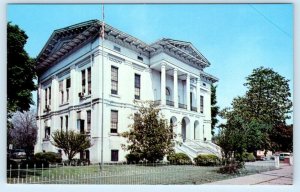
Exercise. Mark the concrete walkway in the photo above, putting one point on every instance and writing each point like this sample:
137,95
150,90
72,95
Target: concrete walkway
281,176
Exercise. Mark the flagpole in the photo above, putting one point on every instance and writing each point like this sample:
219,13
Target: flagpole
102,35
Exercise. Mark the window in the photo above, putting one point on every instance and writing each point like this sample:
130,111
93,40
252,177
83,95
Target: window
80,125
66,117
89,81
117,48
114,122
168,91
68,88
46,98
47,133
88,114
114,80
168,94
140,58
61,123
49,95
137,86
61,90
83,81
201,104
114,155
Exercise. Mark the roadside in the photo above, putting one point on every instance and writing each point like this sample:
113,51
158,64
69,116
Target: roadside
281,176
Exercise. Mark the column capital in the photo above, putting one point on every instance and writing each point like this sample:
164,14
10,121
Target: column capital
54,77
163,64
175,69
73,67
188,75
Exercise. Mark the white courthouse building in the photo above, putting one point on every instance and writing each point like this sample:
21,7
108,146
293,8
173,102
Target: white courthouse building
168,72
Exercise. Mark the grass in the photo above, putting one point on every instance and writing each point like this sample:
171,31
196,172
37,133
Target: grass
128,174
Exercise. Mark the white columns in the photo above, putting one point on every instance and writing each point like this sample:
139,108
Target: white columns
163,84
175,95
188,103
198,95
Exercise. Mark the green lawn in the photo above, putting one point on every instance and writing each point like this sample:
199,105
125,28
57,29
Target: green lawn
126,174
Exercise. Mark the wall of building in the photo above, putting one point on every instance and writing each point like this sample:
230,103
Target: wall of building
127,63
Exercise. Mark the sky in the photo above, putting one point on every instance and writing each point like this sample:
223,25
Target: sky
235,38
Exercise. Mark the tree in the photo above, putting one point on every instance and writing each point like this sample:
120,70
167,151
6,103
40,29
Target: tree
150,136
24,131
259,114
70,142
268,96
282,139
20,71
214,108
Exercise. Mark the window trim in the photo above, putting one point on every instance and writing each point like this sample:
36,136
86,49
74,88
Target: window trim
114,155
114,130
88,120
137,87
116,81
201,104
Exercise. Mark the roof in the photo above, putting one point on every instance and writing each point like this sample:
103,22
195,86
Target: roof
64,41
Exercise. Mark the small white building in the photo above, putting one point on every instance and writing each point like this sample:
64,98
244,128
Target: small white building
169,72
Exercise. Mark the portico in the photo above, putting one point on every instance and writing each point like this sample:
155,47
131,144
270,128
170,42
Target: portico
180,83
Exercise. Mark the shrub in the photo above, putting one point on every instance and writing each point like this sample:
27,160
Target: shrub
13,164
77,162
207,160
231,168
132,158
248,157
34,163
179,159
50,157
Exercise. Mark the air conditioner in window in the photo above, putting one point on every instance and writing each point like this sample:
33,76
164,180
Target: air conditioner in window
47,108
81,95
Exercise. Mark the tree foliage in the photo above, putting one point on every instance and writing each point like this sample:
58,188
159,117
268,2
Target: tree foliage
70,142
214,108
268,96
254,120
20,71
24,131
150,136
282,139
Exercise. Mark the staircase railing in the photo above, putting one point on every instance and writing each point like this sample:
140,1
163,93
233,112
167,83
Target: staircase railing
216,152
190,151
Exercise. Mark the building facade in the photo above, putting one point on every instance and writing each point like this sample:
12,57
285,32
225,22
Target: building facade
75,61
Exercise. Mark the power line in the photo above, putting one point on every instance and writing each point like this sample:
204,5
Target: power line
270,21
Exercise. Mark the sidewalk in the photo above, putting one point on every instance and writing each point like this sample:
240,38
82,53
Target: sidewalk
281,176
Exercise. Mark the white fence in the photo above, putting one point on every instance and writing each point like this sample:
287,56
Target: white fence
125,174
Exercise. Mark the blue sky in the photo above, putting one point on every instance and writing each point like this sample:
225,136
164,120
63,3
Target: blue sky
235,38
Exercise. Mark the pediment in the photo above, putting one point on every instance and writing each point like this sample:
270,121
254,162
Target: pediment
62,41
187,47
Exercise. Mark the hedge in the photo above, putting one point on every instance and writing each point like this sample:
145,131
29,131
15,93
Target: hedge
207,160
50,157
179,159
